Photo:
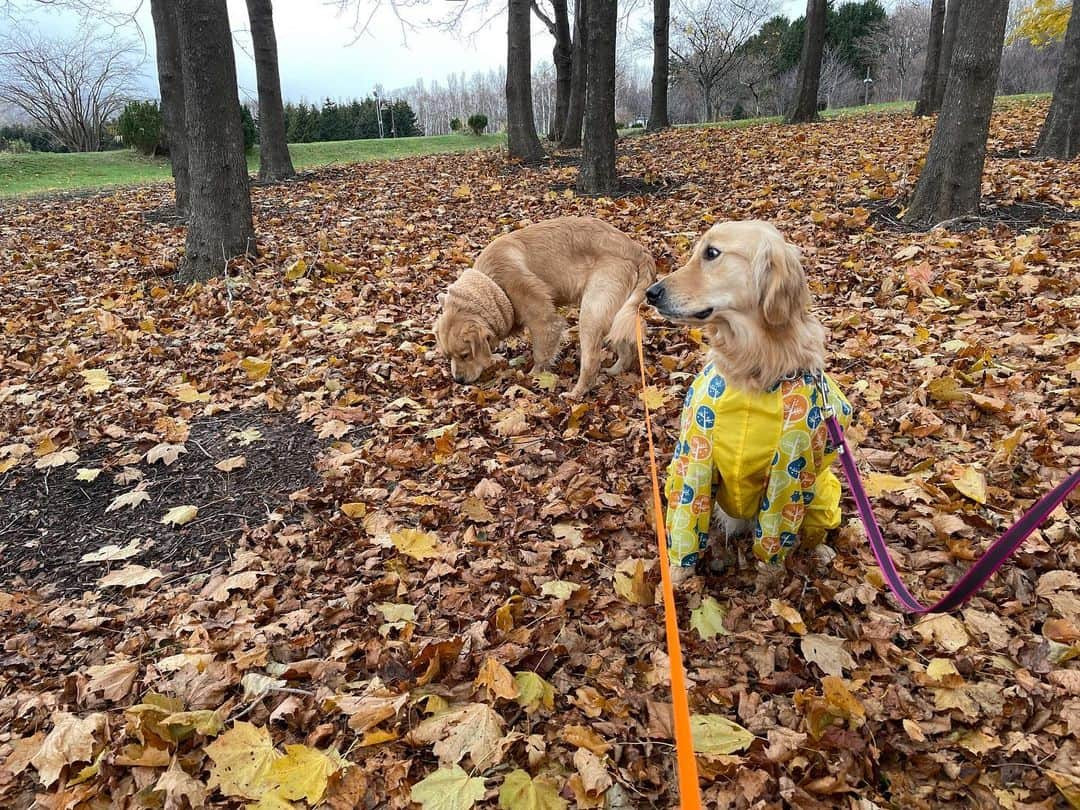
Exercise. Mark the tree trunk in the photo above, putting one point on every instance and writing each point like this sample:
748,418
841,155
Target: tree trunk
809,81
521,136
579,73
661,60
562,54
948,44
933,59
1060,136
597,174
171,85
219,227
950,181
274,160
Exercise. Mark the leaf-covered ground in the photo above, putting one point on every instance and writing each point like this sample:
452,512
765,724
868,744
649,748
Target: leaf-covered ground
451,600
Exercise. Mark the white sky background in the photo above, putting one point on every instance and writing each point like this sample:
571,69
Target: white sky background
320,55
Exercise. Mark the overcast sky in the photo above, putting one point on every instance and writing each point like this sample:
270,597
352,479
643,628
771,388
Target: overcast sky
320,54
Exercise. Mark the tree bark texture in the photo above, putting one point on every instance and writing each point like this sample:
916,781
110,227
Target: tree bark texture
925,104
1060,136
562,54
274,160
661,66
521,138
806,93
597,175
219,225
950,182
948,43
171,86
579,73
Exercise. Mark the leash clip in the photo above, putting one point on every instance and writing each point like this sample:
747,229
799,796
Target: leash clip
823,389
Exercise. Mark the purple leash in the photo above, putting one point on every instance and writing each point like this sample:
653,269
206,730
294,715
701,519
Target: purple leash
994,557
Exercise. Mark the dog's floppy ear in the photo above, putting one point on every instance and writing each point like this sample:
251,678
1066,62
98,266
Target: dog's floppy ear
476,335
780,281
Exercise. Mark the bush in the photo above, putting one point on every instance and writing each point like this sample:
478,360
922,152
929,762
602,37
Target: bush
16,146
737,112
477,123
140,126
39,140
251,132
455,125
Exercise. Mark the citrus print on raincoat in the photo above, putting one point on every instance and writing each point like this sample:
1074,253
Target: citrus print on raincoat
759,456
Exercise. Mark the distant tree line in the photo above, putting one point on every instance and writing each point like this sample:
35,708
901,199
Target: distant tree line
354,120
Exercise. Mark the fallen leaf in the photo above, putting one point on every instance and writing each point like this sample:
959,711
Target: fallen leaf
715,734
415,543
630,582
519,791
708,619
303,773
971,483
448,788
180,515
97,380
129,500
242,758
828,653
178,785
497,680
534,692
71,740
129,576
113,553
256,368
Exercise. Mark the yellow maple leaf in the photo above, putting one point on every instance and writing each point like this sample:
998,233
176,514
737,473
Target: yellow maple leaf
448,789
256,368
715,734
295,270
520,791
971,483
242,758
415,543
708,619
303,773
653,397
630,582
97,379
462,192
534,692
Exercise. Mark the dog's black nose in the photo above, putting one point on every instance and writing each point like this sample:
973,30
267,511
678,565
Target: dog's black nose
655,294
459,379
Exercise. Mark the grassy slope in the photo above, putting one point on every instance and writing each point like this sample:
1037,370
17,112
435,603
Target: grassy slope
38,172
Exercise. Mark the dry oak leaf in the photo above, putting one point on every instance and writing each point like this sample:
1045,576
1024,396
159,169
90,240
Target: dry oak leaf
303,773
594,776
71,740
497,680
129,576
231,463
178,785
715,734
448,788
180,515
519,791
828,653
242,759
630,584
473,729
113,681
946,631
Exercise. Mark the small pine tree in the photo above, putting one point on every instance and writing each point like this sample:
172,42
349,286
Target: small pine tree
251,131
477,123
140,126
455,125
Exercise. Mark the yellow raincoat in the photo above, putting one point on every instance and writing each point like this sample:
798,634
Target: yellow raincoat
760,456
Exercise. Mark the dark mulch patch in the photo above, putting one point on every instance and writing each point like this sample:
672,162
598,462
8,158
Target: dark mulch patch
51,520
165,215
1017,216
628,187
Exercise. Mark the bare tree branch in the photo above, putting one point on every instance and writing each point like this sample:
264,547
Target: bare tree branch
71,87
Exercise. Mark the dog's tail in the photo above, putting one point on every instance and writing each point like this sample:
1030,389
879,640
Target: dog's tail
624,325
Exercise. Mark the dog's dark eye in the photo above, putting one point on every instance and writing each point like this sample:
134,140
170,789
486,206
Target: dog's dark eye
712,253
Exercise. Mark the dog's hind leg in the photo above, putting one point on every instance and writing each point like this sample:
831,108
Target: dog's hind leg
625,358
598,307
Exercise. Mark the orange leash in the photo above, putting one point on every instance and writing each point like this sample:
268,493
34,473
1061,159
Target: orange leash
689,791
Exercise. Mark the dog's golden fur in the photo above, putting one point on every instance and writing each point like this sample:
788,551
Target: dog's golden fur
745,287
521,277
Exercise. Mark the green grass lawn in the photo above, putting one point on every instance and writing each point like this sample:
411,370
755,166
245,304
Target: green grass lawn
43,172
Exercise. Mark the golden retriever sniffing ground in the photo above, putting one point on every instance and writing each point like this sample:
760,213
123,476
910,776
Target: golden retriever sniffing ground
519,280
753,443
